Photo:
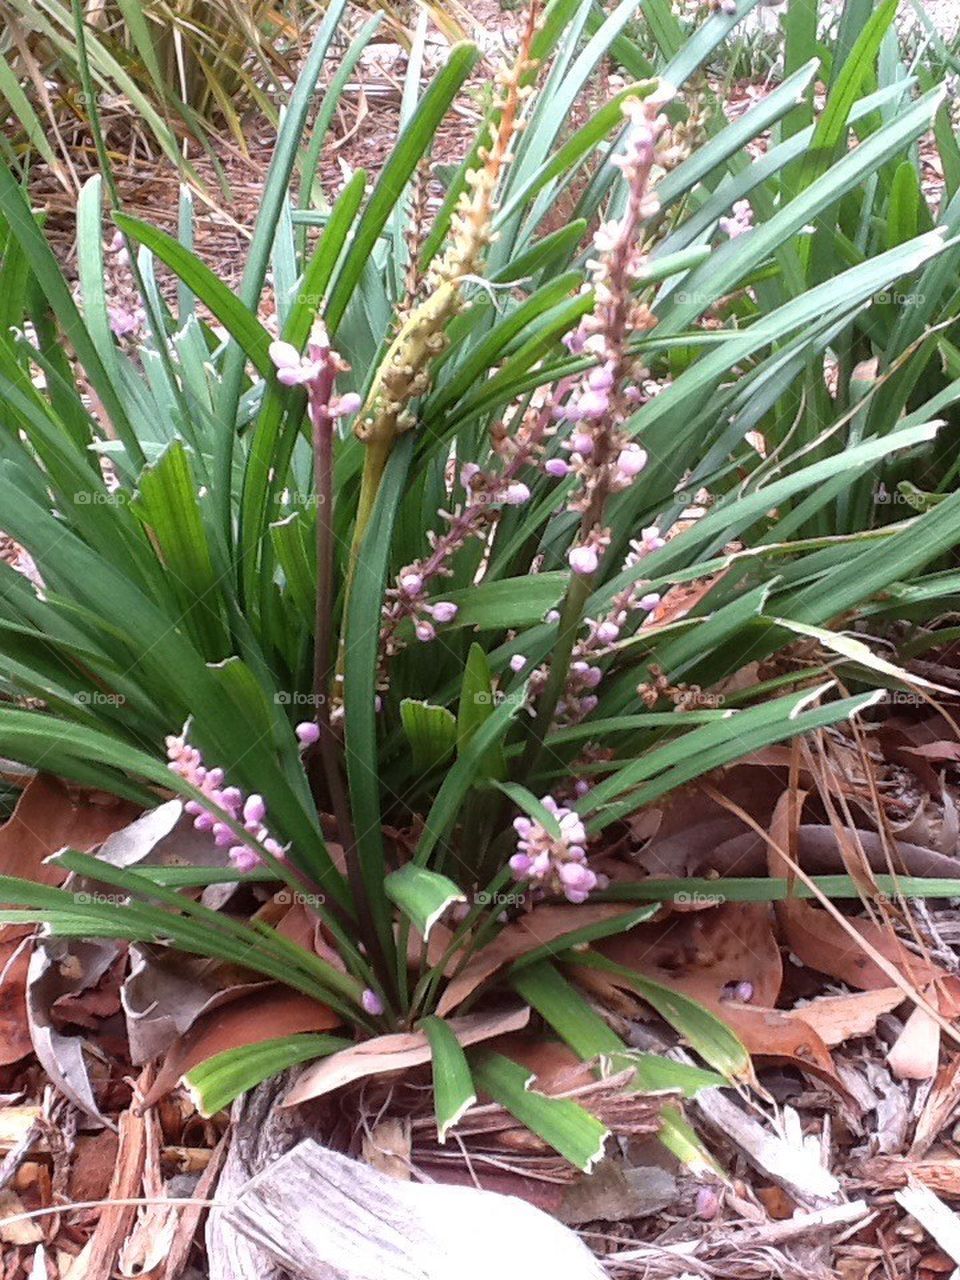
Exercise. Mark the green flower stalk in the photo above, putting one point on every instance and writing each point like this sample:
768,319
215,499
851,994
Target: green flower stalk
405,372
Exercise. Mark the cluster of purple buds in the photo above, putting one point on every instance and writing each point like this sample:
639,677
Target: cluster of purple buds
316,370
187,762
556,864
602,454
411,593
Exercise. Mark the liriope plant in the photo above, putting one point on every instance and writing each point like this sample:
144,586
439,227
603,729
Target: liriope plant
413,597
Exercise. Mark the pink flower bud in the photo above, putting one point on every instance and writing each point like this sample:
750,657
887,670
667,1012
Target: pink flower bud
411,583
307,733
371,1002
631,461
346,404
284,355
425,631
556,467
243,857
254,811
516,494
649,601
583,560
593,403
444,611
517,662
582,442
608,632
601,377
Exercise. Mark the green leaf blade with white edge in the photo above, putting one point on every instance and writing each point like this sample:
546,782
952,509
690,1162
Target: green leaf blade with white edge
566,1126
712,1039
453,1090
215,1083
422,895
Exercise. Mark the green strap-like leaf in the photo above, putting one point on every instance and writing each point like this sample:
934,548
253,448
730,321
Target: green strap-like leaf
453,1091
566,1126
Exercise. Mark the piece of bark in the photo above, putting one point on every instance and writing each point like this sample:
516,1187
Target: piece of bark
261,1131
795,1168
189,1219
116,1220
937,1219
321,1216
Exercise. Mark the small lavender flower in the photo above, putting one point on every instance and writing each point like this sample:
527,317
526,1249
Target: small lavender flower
556,864
371,1002
444,611
583,560
516,494
316,371
739,222
308,732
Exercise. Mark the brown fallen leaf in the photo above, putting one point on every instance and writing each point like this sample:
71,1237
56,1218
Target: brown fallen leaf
825,944
396,1052
15,1042
707,955
557,1068
261,1015
542,925
48,818
839,1018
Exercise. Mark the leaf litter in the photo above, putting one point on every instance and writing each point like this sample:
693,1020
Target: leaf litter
834,1041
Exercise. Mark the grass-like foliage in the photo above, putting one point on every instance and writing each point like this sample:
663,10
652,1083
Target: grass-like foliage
453,565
